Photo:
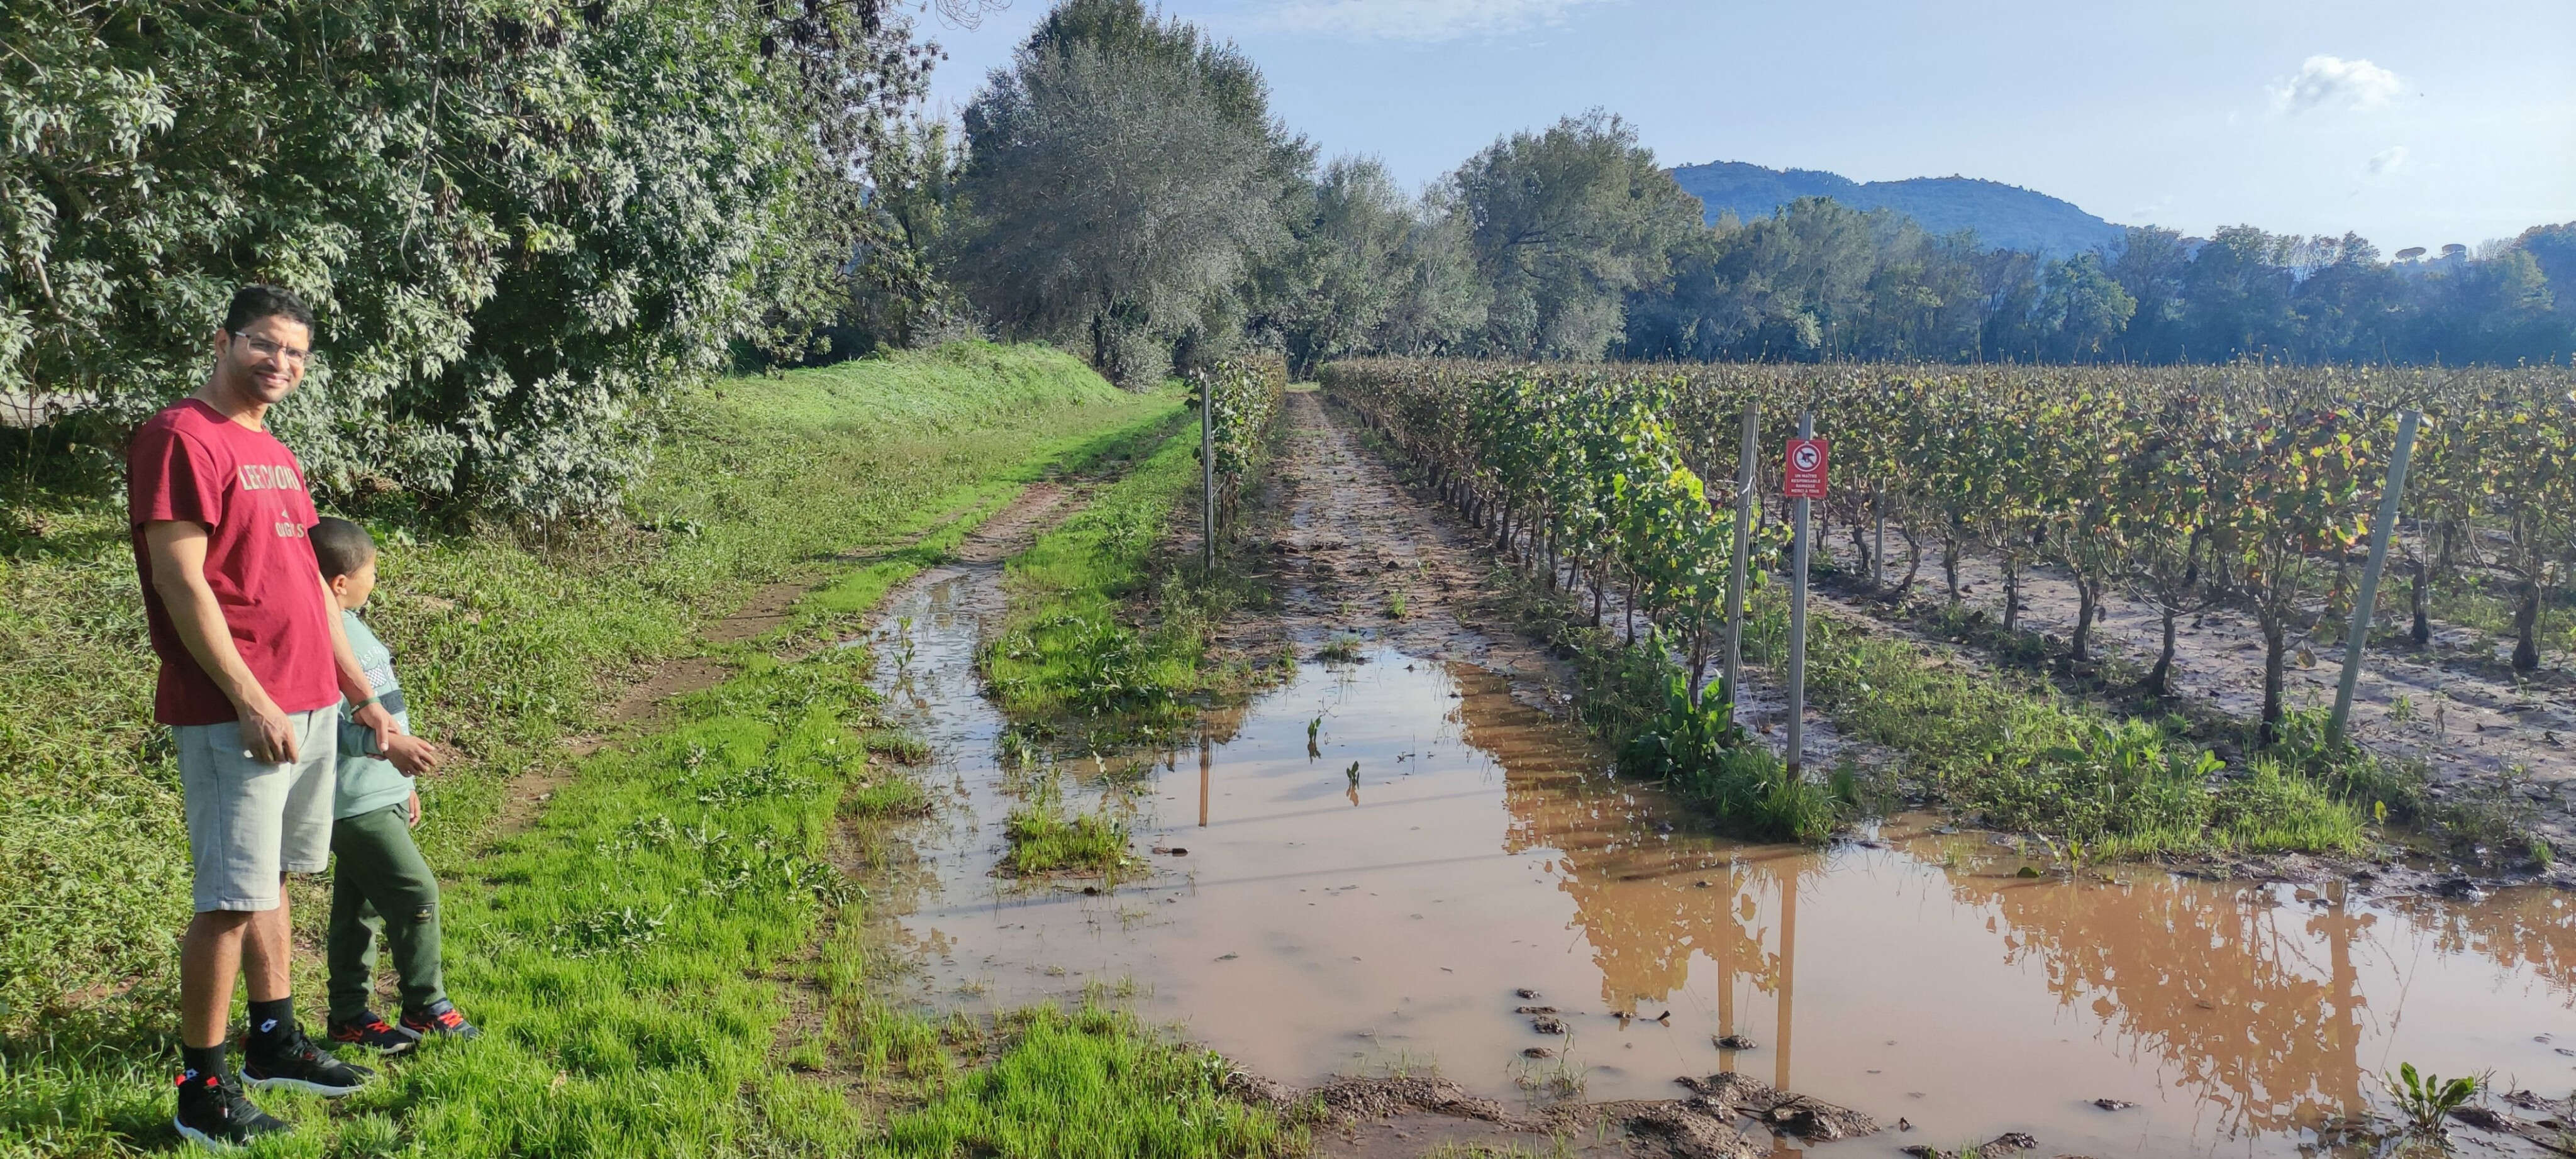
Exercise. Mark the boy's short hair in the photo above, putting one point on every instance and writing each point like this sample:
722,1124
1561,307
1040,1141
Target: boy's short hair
341,547
255,302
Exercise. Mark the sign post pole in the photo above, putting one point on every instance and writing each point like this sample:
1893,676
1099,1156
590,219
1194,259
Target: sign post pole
1743,546
1207,473
2359,634
1805,484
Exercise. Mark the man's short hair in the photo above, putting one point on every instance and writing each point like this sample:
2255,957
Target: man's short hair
253,303
341,547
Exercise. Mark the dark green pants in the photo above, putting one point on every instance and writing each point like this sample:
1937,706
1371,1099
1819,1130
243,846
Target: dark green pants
380,884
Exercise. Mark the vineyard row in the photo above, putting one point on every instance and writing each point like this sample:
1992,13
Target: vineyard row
2246,485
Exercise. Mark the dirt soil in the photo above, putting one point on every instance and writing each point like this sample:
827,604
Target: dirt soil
2463,714
1336,535
1726,1116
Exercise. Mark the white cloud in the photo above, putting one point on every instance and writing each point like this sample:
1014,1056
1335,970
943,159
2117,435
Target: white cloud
2333,82
1425,20
2385,161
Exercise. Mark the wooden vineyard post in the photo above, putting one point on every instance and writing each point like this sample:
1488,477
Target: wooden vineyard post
1207,473
2363,604
1743,547
1804,483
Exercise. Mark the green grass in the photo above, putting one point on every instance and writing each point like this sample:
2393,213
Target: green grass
1043,840
2028,758
1068,660
629,952
506,642
1089,1085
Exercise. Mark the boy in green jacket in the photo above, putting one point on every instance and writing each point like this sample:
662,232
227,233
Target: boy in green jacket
379,882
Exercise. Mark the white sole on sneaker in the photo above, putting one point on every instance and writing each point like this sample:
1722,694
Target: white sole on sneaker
202,1139
307,1086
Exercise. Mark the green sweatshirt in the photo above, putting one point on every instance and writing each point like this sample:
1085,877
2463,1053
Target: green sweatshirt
368,782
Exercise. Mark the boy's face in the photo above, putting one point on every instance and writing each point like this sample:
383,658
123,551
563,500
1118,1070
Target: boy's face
354,587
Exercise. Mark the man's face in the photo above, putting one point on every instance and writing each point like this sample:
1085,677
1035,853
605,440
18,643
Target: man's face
265,360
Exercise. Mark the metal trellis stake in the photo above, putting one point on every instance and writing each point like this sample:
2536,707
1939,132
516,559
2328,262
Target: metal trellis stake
1743,546
2367,599
1207,473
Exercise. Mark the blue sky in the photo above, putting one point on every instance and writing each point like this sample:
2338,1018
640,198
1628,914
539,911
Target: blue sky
2410,123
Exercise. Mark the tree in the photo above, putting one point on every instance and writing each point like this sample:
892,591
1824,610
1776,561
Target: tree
1123,178
1564,223
2083,309
1329,291
518,222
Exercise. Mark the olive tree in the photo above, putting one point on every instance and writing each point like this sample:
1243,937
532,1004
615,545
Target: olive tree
1123,179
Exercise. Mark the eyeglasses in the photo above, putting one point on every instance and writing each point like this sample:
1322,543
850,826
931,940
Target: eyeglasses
267,349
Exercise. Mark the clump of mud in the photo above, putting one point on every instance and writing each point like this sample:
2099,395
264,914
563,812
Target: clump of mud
1728,1115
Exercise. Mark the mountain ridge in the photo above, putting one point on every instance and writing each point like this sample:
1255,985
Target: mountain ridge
2003,216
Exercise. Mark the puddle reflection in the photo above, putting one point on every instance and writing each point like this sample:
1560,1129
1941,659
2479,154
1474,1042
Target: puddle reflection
1324,920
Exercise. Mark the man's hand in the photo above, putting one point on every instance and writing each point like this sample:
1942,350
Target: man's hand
267,733
412,811
411,755
381,722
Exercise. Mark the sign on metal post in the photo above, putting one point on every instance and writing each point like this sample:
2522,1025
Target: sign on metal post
1806,477
1805,484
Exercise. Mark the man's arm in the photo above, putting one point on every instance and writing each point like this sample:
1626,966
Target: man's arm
409,755
177,548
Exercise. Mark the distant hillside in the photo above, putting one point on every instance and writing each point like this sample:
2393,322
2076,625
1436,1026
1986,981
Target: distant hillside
2004,216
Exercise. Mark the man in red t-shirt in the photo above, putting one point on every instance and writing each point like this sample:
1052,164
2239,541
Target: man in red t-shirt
253,667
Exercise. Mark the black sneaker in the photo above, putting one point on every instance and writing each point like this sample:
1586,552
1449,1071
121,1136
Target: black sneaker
440,1021
371,1031
217,1114
301,1067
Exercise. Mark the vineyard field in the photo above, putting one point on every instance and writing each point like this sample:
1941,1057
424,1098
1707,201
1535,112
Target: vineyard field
2213,519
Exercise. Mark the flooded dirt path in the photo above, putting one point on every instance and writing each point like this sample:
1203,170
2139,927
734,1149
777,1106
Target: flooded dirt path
1377,900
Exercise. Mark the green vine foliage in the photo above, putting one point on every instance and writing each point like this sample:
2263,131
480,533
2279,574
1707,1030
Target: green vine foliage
1246,392
521,222
2247,484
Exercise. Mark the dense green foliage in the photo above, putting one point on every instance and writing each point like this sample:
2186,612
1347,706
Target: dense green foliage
1124,176
520,223
506,646
1246,393
2245,484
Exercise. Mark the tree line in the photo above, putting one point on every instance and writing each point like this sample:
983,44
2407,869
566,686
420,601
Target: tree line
525,222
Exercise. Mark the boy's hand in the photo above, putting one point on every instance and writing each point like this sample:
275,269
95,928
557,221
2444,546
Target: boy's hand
376,719
412,811
411,755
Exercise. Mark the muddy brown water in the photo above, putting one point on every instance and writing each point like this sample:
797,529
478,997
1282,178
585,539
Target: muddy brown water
1319,926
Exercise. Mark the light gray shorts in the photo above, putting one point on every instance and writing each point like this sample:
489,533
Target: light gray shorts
248,822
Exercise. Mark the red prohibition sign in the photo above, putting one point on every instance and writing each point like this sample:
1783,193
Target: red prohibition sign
1806,474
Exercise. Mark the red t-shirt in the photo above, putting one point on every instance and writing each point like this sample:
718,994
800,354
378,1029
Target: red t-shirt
245,487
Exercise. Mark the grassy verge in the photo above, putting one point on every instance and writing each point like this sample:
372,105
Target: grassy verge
1072,661
507,642
629,952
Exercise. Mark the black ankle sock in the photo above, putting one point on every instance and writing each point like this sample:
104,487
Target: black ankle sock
202,1061
272,1023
